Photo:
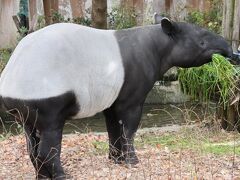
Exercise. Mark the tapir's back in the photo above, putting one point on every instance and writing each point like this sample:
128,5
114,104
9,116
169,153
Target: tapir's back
62,58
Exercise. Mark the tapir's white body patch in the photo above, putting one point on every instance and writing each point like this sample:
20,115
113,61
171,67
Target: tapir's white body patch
62,58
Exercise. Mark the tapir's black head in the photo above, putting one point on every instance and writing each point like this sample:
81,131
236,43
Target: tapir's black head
192,45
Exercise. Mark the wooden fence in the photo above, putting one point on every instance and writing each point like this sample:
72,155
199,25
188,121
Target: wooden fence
77,8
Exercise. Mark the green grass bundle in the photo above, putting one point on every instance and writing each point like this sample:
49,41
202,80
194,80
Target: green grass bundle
216,79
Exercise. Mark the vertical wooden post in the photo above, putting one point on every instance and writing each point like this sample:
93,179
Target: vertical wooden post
231,118
49,6
77,8
168,4
221,116
231,31
54,5
127,3
32,14
193,3
138,7
227,19
236,25
47,11
99,14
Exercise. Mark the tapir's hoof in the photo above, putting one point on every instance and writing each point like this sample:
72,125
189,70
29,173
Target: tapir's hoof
42,177
117,159
63,177
131,161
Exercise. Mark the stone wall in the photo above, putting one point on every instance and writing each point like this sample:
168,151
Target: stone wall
166,93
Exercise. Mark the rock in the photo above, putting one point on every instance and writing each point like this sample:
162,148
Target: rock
171,75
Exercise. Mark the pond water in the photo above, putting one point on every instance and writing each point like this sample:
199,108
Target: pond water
153,116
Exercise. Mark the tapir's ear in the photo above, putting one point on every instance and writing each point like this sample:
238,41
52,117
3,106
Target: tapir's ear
167,26
157,18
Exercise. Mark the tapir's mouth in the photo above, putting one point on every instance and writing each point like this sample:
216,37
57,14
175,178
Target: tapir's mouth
205,57
226,53
210,53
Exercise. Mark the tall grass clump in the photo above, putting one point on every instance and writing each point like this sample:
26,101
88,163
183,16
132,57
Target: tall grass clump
215,80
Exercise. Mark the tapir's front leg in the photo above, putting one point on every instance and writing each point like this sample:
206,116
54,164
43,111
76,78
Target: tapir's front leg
114,135
129,118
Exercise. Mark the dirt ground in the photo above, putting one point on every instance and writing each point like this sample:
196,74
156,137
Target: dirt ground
82,158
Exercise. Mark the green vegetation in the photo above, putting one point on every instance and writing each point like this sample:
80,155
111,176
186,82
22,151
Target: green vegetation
122,18
84,21
191,141
197,140
216,80
221,149
14,129
119,18
23,31
211,19
58,18
4,57
100,147
23,8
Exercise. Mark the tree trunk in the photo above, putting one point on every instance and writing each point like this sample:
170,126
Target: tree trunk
77,8
127,3
47,11
32,17
99,14
49,6
54,5
168,4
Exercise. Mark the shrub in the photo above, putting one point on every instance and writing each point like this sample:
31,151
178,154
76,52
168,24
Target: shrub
211,19
4,57
122,18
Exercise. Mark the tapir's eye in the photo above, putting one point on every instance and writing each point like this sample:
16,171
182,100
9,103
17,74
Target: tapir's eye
202,43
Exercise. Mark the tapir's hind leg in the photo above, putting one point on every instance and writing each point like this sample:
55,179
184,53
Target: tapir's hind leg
33,140
49,149
43,124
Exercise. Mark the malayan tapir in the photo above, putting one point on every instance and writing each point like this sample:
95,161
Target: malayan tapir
72,71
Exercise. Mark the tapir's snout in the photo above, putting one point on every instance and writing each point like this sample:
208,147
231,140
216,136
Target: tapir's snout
225,48
222,46
229,53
